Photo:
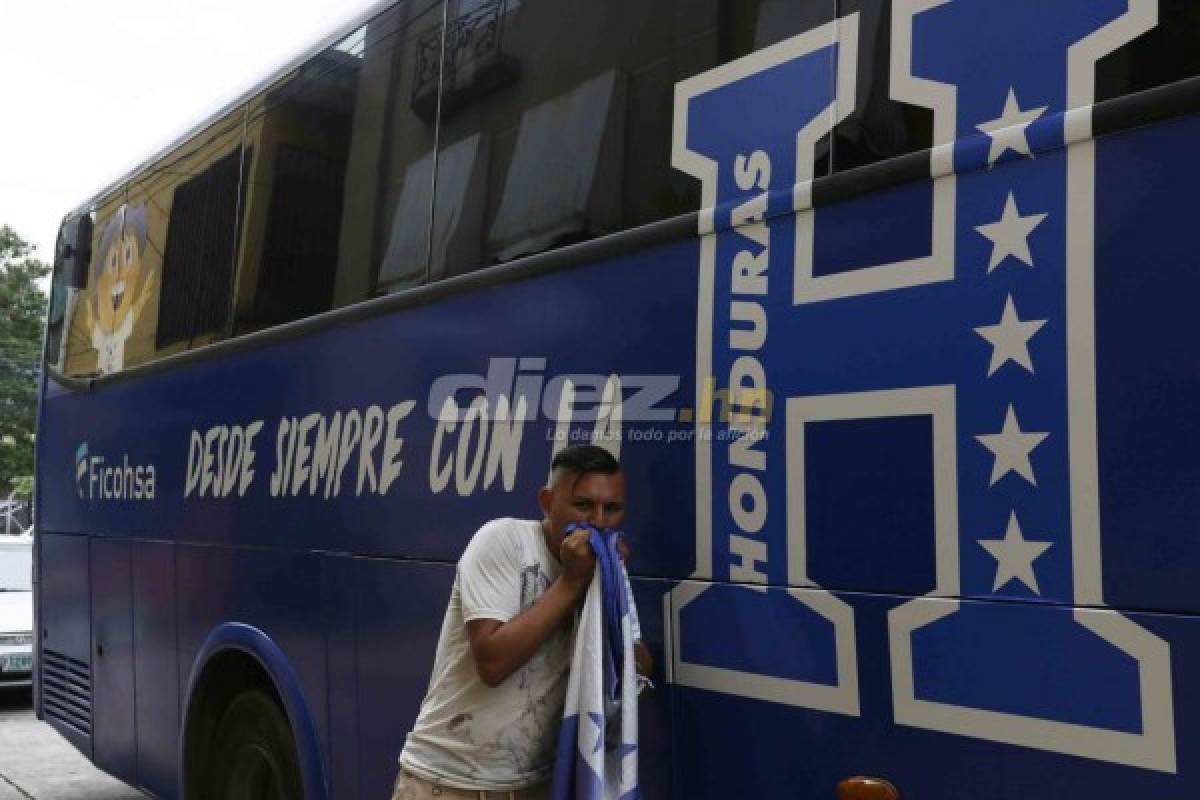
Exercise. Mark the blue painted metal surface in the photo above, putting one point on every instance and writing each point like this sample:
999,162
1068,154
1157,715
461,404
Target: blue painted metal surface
399,607
339,592
114,727
738,747
961,557
156,667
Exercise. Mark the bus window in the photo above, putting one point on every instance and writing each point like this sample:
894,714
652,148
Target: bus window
557,116
189,201
72,257
879,127
91,325
158,280
331,149
1162,55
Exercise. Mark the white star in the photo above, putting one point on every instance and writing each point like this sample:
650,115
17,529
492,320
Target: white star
1010,234
1014,556
1008,130
1010,338
1011,447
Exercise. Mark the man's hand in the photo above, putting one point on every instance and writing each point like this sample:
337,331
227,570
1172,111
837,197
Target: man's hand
577,557
623,549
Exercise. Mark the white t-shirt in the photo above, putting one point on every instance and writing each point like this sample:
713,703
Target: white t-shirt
469,735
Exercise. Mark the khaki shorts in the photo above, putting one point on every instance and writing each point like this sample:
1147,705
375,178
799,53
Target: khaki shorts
410,787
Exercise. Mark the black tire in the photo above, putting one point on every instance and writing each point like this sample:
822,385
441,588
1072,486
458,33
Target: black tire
253,756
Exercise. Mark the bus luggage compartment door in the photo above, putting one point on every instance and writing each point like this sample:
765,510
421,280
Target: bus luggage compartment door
114,732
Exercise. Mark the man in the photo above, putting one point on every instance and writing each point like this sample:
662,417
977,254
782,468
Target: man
489,723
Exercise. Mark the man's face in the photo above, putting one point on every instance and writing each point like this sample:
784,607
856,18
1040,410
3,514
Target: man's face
593,497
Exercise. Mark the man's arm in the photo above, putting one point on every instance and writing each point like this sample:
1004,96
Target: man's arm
501,648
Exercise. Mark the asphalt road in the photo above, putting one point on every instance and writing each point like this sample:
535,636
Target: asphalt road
38,764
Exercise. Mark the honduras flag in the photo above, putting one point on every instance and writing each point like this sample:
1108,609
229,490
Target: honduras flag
597,745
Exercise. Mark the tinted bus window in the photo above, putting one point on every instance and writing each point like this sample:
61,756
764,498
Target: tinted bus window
330,151
162,259
1168,52
77,357
99,322
181,218
62,291
557,116
878,128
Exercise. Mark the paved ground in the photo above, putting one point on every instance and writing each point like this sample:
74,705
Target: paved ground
38,764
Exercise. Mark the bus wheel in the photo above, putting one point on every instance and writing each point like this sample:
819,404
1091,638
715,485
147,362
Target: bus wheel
253,756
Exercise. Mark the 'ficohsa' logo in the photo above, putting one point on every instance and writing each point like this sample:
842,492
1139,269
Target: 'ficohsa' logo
97,479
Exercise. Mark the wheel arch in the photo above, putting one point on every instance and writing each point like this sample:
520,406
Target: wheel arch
234,657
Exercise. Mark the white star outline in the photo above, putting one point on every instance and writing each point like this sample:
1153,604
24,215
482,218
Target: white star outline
1009,235
1009,338
1011,448
1014,556
1007,131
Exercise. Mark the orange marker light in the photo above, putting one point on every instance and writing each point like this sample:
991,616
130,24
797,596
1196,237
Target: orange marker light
864,788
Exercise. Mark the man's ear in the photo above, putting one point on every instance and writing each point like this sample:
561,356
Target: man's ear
545,499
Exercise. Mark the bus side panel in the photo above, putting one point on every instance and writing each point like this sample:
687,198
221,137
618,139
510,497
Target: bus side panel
400,606
278,592
155,668
1147,357
774,744
114,728
340,590
633,316
656,743
65,575
66,637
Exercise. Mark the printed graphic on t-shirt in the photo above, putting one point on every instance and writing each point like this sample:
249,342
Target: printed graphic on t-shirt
534,582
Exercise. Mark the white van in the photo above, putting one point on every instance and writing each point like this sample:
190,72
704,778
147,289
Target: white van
16,610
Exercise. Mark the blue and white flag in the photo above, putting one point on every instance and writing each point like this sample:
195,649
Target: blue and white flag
597,745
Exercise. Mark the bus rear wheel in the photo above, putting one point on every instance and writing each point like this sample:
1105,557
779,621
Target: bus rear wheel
254,755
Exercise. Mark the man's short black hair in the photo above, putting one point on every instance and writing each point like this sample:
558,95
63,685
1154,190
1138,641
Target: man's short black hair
582,459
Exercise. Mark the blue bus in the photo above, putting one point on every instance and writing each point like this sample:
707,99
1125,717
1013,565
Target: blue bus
882,304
